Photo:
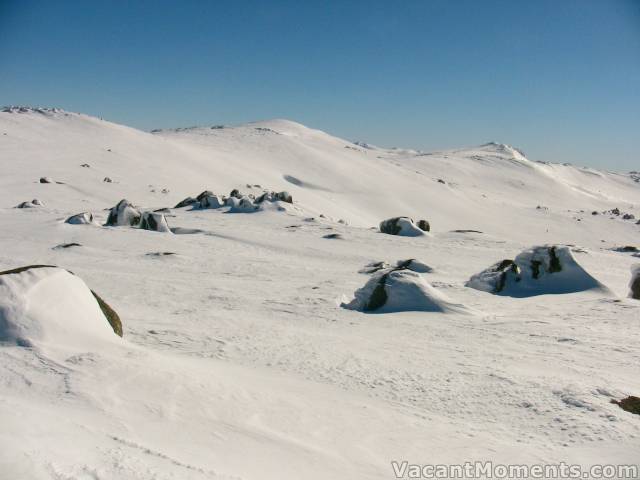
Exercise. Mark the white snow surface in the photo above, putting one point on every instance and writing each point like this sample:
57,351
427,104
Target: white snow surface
237,360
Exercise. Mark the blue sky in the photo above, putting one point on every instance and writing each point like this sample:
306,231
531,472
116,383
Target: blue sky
559,79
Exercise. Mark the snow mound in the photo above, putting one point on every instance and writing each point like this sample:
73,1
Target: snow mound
402,226
32,204
48,305
400,291
541,270
634,284
83,218
210,201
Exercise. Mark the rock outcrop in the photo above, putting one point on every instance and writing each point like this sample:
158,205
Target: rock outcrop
402,226
123,214
547,269
32,204
155,222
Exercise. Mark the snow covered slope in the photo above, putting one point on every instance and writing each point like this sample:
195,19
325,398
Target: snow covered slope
237,360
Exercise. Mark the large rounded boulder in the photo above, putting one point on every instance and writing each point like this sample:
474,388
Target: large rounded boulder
402,226
47,305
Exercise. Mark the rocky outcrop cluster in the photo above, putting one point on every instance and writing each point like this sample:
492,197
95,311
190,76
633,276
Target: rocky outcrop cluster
404,226
236,200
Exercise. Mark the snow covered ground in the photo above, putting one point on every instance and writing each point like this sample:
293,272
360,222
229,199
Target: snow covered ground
237,359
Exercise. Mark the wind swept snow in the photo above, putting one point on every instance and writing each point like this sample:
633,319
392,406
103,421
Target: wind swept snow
237,360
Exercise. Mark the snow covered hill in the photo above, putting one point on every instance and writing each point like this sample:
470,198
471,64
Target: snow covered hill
237,359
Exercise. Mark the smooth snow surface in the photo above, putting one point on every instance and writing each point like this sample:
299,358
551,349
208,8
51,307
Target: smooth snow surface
237,361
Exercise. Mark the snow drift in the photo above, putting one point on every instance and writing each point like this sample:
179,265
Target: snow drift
400,290
541,270
48,305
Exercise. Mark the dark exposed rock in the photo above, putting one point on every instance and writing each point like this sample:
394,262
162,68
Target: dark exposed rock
424,225
123,214
634,284
45,180
203,194
466,231
66,245
626,248
630,404
628,216
110,314
594,213
85,165
235,193
107,180
160,254
186,202
155,222
336,236
400,226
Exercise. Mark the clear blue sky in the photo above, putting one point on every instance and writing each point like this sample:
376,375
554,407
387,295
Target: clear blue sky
559,79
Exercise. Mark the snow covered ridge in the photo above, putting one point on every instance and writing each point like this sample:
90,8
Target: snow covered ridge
46,304
24,109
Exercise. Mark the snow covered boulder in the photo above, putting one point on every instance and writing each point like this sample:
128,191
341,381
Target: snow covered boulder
83,218
211,201
242,205
186,202
123,214
401,291
206,193
274,197
541,270
402,226
32,204
496,277
42,304
154,221
634,284
284,197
